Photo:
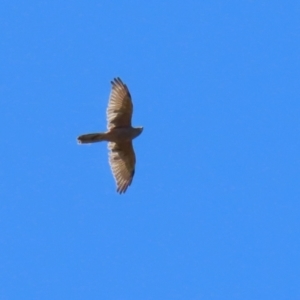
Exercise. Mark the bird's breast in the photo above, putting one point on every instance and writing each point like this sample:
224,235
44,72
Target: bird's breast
121,134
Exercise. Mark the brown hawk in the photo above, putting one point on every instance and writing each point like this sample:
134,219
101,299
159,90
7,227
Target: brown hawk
119,135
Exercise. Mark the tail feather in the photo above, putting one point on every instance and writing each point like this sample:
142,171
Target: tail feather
91,138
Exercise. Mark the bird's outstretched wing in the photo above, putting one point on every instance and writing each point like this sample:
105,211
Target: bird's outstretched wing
119,110
122,163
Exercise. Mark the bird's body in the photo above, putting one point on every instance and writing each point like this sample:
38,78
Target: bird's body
116,135
120,134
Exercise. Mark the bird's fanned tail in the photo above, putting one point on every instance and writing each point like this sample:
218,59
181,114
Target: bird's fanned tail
91,138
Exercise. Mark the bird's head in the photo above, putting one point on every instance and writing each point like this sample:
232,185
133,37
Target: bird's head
138,130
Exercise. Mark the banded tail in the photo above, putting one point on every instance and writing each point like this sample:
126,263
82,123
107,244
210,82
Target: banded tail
91,138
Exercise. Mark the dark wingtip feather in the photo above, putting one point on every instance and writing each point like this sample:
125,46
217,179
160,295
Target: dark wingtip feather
117,80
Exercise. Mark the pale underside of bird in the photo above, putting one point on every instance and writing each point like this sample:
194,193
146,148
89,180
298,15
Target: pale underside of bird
119,135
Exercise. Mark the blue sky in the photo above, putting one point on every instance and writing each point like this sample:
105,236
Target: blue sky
213,211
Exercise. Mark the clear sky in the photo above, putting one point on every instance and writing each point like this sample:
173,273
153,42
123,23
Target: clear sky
213,211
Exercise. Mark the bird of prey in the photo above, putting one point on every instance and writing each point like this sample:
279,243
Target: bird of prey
119,135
